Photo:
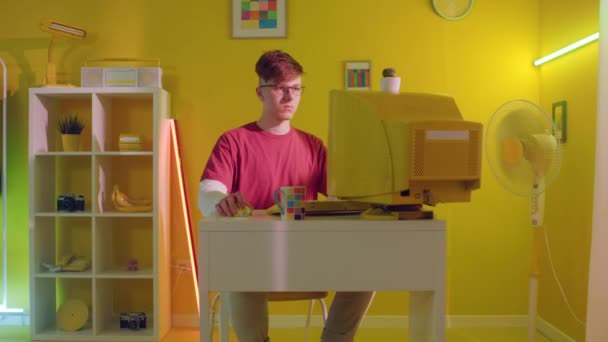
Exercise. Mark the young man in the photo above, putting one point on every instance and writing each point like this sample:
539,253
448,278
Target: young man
249,163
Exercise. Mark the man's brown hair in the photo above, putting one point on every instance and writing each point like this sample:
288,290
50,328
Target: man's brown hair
278,66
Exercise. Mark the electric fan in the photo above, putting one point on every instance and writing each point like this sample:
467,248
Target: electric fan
524,155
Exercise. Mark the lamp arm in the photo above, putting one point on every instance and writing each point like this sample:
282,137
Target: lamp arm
51,77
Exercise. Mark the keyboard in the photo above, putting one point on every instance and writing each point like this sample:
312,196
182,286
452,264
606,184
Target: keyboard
339,207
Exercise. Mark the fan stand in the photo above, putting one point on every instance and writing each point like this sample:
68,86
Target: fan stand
537,214
524,155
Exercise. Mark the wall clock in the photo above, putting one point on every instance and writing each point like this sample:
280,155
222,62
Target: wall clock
453,9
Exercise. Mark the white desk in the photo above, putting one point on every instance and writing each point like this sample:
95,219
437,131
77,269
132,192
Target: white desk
263,253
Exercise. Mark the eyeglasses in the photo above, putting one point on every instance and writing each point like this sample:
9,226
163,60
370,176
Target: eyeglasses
282,90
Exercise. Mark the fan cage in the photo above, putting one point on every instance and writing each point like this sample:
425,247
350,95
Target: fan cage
492,149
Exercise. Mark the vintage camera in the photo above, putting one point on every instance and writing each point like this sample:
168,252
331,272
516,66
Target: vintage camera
70,203
133,320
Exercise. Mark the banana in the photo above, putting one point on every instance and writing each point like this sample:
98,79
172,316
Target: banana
134,208
124,200
118,199
243,212
125,204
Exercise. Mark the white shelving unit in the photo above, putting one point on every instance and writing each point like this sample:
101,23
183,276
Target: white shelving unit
109,238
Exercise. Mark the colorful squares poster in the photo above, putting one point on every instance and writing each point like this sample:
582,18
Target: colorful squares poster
259,18
357,75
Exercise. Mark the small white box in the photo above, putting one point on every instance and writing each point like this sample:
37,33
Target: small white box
149,77
121,77
91,77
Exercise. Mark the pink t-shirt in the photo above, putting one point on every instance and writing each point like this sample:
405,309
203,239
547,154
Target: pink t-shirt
256,163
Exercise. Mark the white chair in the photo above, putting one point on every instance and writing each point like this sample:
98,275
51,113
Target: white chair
223,311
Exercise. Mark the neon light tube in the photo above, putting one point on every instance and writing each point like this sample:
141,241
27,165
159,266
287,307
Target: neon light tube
567,49
185,209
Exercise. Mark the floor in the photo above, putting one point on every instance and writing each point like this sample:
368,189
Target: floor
21,334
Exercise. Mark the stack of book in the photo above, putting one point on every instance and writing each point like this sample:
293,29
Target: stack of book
130,142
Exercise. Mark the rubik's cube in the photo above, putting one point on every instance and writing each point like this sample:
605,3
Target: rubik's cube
295,203
258,14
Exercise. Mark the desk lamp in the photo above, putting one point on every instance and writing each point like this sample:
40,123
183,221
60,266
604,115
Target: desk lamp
58,30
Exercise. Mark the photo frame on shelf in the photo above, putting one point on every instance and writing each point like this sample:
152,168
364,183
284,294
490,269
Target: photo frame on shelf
259,19
559,115
357,75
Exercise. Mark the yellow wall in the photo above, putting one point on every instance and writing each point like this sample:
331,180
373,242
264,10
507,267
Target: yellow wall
573,78
483,61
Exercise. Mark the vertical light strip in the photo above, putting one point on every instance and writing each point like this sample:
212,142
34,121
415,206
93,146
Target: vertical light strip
185,210
4,304
597,297
567,49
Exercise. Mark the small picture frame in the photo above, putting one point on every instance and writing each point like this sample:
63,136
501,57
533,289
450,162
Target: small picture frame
357,75
259,19
559,113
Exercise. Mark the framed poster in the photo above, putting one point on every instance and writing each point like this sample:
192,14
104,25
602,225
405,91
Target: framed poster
560,120
259,18
357,75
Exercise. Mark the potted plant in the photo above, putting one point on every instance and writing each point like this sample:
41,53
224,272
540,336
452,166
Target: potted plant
70,127
390,82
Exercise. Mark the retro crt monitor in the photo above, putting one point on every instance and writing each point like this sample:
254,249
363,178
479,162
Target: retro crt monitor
400,149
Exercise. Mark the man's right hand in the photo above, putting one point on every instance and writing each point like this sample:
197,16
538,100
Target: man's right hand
231,204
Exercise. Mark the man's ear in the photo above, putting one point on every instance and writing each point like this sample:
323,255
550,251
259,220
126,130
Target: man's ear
258,92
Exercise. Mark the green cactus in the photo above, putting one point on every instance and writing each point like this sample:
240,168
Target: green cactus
389,72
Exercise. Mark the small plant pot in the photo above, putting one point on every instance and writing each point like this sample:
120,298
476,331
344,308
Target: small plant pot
390,85
70,142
